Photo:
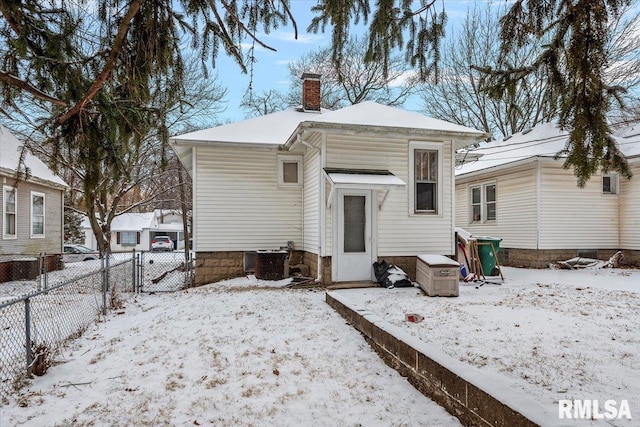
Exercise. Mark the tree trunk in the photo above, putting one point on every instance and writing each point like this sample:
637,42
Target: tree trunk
184,208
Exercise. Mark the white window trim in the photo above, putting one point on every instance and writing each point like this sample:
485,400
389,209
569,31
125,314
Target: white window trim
6,236
290,158
44,215
424,145
614,183
483,202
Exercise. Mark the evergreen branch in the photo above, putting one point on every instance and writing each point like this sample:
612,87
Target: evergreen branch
234,16
21,84
109,65
293,20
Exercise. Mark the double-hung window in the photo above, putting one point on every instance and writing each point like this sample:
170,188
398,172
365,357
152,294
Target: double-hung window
37,214
483,202
9,211
426,177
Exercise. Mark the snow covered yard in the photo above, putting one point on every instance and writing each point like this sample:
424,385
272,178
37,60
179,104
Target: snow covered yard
555,334
233,353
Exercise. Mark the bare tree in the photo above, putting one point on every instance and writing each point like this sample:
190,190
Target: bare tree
260,104
461,94
354,79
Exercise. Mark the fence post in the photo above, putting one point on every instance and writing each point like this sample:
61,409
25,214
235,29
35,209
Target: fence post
104,286
27,333
141,272
133,270
191,270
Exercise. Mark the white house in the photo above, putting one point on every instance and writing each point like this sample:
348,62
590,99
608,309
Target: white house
344,188
128,231
516,190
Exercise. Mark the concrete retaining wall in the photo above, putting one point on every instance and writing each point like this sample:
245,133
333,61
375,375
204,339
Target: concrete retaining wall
450,386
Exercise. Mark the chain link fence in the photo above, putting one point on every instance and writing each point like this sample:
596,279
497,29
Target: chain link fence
58,305
164,271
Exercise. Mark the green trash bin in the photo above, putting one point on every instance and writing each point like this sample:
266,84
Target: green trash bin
487,258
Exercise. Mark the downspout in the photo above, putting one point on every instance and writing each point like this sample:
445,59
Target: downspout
538,203
320,204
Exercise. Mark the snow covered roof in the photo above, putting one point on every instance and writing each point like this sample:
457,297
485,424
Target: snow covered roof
544,140
371,113
270,129
130,221
10,149
278,128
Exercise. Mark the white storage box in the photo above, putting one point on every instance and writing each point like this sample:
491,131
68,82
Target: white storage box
437,275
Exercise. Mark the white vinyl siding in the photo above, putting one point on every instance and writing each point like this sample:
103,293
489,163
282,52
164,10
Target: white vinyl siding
516,220
244,211
630,209
573,217
398,232
311,174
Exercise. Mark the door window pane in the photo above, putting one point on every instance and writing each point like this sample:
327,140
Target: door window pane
355,220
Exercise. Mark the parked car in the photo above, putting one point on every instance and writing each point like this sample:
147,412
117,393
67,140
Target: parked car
75,253
162,243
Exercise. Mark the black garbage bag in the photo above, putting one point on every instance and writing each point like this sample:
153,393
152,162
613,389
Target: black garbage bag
390,276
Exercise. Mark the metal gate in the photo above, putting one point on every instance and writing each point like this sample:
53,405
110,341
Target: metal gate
163,271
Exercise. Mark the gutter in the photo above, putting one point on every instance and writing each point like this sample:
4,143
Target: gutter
321,197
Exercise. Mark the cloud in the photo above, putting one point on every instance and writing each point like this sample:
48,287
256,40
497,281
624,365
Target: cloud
304,38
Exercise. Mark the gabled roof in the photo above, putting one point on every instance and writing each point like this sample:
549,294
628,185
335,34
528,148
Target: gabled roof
10,150
544,140
278,128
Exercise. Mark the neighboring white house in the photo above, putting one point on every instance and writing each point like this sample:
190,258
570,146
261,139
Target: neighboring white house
128,231
516,190
344,188
136,230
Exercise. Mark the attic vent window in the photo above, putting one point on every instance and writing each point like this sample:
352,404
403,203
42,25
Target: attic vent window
289,171
610,183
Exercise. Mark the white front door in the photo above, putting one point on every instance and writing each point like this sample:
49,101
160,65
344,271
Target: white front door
354,241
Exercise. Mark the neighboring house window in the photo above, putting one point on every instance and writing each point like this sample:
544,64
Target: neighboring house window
37,214
610,183
9,209
483,202
128,238
289,171
425,169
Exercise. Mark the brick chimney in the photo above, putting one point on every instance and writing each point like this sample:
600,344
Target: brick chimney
311,92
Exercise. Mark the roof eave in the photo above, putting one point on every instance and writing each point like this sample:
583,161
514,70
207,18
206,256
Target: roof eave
499,168
462,139
36,180
201,143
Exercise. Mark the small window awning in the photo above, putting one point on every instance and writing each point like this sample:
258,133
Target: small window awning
362,179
